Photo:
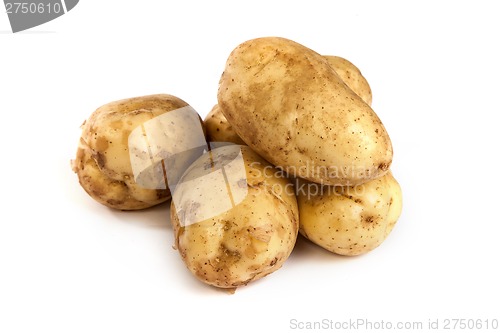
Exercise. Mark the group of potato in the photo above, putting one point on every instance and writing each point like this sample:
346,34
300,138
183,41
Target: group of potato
292,146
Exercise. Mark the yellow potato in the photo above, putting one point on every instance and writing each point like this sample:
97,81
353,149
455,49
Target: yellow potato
288,104
234,219
119,161
352,77
349,220
219,129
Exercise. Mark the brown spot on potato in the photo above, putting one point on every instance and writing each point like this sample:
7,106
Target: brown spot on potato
227,225
114,202
100,160
274,261
101,144
383,166
162,193
232,255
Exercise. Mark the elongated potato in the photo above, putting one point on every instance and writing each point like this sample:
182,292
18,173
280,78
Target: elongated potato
122,146
234,219
349,220
287,103
219,129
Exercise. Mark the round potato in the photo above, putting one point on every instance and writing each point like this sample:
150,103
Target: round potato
352,77
235,217
349,220
219,129
119,161
288,104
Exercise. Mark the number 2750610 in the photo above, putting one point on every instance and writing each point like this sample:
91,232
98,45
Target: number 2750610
32,8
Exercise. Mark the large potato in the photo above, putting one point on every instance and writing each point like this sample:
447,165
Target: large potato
235,220
219,129
288,104
351,76
119,160
349,220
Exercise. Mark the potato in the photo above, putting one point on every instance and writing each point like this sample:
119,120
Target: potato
120,158
349,220
219,129
287,103
351,76
235,220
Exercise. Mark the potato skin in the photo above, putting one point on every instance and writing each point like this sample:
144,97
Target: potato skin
351,76
102,161
286,102
219,129
231,248
350,220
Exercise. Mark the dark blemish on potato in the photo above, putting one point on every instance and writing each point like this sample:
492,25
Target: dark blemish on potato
114,202
369,219
383,166
97,191
161,194
227,225
234,255
300,150
358,201
100,160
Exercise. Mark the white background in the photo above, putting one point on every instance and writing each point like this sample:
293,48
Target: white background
68,264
